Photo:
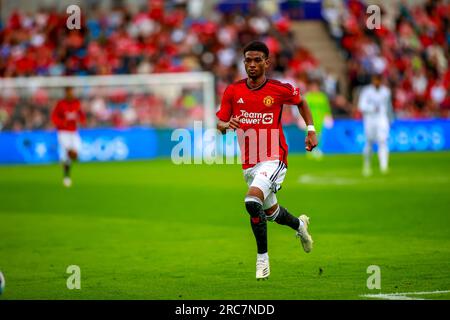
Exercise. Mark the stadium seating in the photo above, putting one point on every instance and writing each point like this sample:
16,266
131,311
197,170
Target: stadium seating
411,49
118,42
412,54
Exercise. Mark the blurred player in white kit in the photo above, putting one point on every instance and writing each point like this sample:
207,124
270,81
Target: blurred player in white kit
376,108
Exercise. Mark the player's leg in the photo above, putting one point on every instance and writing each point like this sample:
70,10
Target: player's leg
275,212
261,187
279,214
64,147
383,147
71,156
71,143
367,155
75,146
254,205
66,168
260,179
369,132
383,156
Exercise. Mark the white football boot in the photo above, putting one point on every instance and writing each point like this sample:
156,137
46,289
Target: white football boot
67,182
367,170
262,269
302,233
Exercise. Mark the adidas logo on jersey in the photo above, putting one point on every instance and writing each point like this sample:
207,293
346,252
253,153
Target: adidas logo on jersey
240,100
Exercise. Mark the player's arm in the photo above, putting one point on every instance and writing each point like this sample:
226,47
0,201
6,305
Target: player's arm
81,115
56,116
390,108
223,126
293,97
305,112
363,104
225,120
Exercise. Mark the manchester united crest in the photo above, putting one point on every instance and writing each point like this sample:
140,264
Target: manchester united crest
268,101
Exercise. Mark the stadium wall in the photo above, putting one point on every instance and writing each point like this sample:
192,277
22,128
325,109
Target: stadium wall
345,137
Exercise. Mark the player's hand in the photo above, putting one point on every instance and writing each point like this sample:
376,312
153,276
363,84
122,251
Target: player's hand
311,141
234,123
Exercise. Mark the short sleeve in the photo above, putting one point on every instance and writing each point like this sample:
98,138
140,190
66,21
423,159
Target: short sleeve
56,114
226,107
362,101
81,114
292,95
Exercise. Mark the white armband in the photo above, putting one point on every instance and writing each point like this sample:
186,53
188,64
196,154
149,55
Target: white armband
311,128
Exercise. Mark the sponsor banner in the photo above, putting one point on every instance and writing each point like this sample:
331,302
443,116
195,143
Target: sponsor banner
96,145
346,136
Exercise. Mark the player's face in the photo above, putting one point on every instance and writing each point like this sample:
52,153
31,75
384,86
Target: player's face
376,81
255,63
69,93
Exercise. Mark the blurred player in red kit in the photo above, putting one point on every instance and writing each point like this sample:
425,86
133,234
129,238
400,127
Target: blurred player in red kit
253,107
66,116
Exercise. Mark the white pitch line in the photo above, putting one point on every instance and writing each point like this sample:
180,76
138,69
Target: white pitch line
389,297
309,179
342,180
402,295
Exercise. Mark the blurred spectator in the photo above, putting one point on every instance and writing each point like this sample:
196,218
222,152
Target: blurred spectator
162,37
410,49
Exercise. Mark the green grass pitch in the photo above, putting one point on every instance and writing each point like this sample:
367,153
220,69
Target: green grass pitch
154,230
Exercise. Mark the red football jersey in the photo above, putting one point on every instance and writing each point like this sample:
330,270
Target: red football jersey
67,114
260,136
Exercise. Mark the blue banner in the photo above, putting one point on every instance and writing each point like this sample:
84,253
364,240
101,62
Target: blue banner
296,9
97,145
346,136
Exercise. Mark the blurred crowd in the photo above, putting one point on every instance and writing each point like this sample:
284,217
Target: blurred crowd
159,38
410,49
104,107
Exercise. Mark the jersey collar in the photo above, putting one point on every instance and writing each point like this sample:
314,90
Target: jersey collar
257,88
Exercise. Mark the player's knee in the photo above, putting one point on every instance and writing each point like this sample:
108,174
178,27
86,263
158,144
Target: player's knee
272,212
73,155
254,207
255,192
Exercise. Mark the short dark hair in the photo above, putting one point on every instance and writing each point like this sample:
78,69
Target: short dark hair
377,76
257,46
314,80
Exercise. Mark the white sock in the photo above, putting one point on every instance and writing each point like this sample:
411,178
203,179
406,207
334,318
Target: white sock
301,223
383,155
367,154
262,256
